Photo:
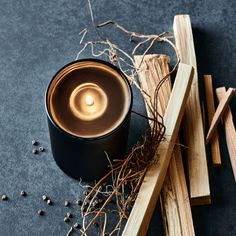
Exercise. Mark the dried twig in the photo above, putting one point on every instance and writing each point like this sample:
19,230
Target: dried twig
125,175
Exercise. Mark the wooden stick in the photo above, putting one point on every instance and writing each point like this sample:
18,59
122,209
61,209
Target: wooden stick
176,211
149,192
203,117
176,168
219,112
215,146
192,124
230,132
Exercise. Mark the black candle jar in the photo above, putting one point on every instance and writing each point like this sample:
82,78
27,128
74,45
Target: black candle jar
81,147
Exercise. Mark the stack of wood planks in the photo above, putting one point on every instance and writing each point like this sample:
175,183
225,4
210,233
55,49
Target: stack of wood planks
166,178
175,203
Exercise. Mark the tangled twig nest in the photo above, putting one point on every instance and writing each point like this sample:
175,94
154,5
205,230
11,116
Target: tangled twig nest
126,175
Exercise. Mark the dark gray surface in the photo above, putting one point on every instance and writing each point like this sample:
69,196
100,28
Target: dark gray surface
36,39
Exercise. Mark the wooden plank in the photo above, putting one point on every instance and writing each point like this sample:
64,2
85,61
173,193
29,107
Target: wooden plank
192,125
223,104
215,146
230,132
176,211
149,192
176,167
152,70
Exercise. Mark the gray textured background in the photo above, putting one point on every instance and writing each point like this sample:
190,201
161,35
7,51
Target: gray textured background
36,39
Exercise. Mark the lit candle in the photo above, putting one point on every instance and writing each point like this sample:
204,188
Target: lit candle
89,99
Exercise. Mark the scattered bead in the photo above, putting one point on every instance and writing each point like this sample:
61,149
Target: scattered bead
96,224
69,215
4,197
85,193
100,201
67,203
86,204
95,203
67,219
40,212
49,202
79,202
23,193
34,142
77,226
35,151
44,197
41,149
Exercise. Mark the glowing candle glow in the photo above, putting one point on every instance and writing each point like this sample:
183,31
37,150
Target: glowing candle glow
89,100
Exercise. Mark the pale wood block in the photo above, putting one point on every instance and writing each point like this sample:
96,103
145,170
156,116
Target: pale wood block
193,126
149,192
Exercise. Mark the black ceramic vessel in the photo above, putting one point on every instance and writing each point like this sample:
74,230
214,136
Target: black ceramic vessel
85,158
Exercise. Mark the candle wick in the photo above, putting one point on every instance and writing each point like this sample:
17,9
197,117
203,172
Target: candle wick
89,100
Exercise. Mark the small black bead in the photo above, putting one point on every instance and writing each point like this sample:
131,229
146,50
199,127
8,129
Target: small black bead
23,193
69,215
35,151
44,197
67,203
79,202
95,203
41,149
92,209
100,201
4,197
86,204
85,193
77,226
40,212
67,219
34,142
96,224
49,202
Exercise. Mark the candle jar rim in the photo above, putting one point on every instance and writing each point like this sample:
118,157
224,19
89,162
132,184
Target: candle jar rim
97,61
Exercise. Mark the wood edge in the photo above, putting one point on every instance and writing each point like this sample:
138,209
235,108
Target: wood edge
200,201
210,104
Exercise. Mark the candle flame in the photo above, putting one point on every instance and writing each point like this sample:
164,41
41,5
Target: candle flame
89,100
